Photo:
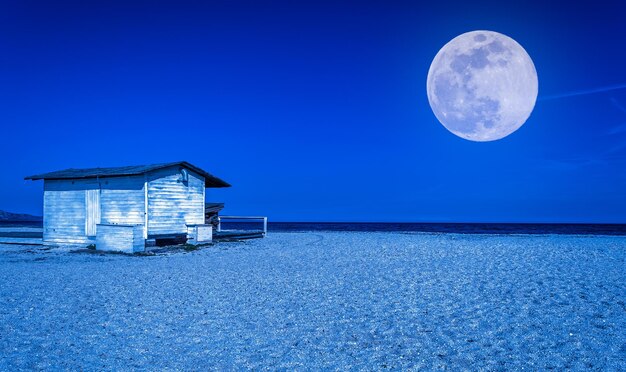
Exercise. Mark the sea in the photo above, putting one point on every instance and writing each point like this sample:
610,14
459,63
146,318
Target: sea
454,228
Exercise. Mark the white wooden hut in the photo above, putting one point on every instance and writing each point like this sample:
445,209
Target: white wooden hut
135,202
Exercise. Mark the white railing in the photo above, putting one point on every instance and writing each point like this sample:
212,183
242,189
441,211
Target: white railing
240,218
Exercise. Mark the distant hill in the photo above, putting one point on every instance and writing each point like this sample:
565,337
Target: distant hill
18,217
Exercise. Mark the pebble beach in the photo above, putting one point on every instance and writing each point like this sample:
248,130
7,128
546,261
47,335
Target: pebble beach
321,300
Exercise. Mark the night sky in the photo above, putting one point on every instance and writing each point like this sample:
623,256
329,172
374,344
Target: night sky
315,111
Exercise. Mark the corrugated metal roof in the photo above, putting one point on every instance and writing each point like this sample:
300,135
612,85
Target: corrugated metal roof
210,180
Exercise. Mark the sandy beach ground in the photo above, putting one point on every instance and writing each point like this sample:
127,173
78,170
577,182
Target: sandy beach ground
321,300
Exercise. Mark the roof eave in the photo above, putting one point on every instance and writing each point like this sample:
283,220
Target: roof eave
210,181
215,185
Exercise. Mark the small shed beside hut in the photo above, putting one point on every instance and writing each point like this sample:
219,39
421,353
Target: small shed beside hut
127,205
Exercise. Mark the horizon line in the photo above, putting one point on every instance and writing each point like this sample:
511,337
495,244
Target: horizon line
40,219
456,222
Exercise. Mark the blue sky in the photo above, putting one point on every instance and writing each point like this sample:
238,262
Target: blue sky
315,111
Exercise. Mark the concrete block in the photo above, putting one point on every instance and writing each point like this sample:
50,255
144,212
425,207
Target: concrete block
120,238
199,234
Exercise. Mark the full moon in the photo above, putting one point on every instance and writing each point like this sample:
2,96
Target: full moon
482,86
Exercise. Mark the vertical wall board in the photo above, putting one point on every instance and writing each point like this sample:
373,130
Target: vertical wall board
92,211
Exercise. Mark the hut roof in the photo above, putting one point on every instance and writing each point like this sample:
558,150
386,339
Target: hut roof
213,207
210,180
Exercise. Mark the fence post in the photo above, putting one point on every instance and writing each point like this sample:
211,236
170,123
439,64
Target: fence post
264,225
219,224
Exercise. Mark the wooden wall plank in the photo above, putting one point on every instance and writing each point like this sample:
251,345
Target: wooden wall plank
173,204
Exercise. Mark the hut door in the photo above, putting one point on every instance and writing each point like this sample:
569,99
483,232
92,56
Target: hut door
92,211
